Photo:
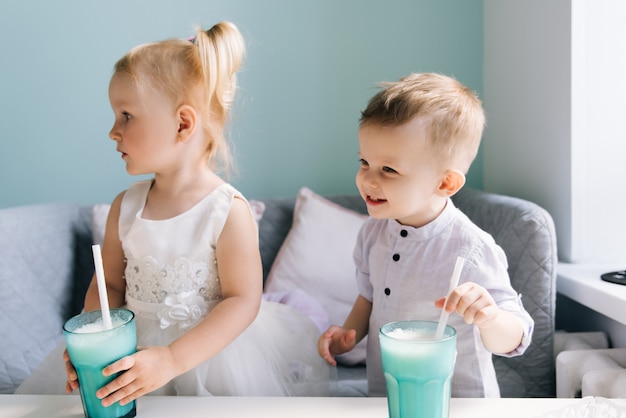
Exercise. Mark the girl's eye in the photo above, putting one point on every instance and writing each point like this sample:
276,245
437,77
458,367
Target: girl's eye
389,170
363,162
126,116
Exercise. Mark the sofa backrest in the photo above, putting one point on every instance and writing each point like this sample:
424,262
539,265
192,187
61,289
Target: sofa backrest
42,282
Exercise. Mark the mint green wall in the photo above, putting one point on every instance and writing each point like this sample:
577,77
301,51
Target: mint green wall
310,69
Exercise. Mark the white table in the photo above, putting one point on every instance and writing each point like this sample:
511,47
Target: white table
582,283
69,406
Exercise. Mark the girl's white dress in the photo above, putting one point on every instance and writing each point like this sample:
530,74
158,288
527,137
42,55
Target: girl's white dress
172,283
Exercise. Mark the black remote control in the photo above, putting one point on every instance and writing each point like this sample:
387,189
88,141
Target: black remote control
617,277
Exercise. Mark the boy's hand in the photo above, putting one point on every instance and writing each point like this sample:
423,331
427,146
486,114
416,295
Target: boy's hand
501,331
336,340
72,377
473,303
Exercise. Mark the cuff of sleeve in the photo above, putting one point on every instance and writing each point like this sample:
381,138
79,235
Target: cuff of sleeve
528,326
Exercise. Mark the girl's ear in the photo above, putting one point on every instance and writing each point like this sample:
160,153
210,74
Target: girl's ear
187,122
451,183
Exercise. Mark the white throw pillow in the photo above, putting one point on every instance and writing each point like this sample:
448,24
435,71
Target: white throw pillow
316,257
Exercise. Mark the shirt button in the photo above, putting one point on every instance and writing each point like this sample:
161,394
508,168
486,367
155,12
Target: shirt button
396,257
404,233
387,291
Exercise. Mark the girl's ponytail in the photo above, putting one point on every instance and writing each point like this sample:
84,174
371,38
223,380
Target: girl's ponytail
221,50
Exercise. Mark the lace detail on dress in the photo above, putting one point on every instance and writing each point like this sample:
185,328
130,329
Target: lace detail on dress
149,281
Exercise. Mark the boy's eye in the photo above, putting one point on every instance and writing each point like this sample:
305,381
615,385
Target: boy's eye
126,116
389,170
363,162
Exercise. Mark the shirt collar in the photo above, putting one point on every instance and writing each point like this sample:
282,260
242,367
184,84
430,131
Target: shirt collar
429,230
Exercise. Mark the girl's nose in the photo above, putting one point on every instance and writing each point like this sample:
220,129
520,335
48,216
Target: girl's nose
114,135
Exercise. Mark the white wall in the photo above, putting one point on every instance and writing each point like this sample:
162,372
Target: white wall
599,140
554,88
554,92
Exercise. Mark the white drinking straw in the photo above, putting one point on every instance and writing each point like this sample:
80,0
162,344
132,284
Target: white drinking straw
454,282
102,287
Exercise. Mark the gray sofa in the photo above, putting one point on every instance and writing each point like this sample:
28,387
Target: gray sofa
46,264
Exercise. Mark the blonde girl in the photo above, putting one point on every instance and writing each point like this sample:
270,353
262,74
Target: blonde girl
181,249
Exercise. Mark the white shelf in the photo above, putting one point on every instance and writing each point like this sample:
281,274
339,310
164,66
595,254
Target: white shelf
582,283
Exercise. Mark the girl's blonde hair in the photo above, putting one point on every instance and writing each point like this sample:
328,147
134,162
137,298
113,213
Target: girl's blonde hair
200,72
455,115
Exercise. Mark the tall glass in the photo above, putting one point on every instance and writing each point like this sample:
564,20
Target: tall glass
418,369
91,348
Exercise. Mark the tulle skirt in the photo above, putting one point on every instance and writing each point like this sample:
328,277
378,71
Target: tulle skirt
275,356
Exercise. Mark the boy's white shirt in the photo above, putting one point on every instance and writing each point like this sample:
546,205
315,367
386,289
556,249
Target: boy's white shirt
425,261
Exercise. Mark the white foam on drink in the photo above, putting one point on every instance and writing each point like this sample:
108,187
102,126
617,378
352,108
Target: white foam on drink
97,326
411,334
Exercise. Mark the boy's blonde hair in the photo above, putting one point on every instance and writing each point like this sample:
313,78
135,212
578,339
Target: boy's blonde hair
455,115
200,72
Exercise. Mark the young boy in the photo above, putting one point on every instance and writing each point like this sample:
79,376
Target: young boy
417,140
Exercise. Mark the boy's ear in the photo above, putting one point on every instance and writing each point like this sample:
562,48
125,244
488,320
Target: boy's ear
187,119
452,182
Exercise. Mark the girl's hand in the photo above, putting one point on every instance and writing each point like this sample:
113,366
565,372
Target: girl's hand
336,340
72,377
146,370
473,303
